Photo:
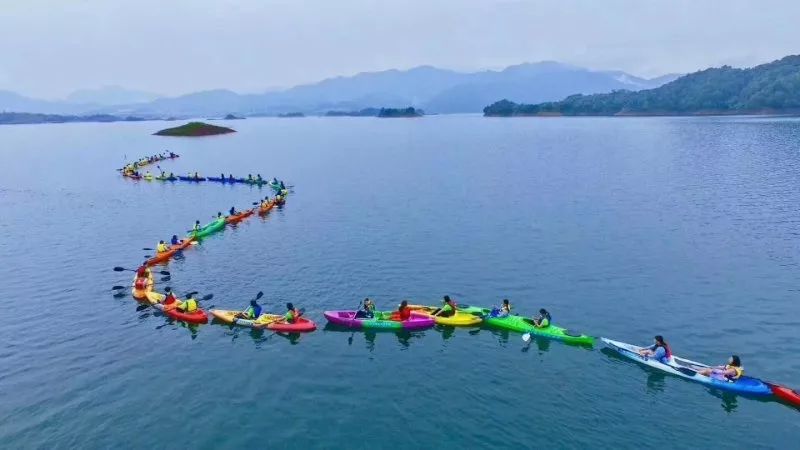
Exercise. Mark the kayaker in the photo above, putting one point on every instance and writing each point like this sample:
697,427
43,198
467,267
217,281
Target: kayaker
170,298
259,179
222,177
283,186
503,311
143,272
448,308
230,177
265,203
161,247
171,176
367,310
274,180
249,178
292,314
232,211
196,226
659,351
175,240
188,306
196,176
730,372
252,312
403,312
543,319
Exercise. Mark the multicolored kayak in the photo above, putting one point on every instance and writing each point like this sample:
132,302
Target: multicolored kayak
525,325
269,321
786,394
380,321
689,369
209,228
164,256
460,319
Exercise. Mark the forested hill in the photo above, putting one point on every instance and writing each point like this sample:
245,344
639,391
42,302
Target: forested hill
766,89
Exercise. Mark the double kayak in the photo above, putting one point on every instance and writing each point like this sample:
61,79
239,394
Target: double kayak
269,321
689,369
460,319
182,178
208,229
380,321
164,256
225,180
265,208
525,325
236,218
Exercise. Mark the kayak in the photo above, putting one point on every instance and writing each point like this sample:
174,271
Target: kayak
224,180
163,256
133,177
208,229
689,369
277,188
160,178
525,325
236,218
786,394
460,319
182,178
172,311
268,321
148,177
141,286
265,209
347,319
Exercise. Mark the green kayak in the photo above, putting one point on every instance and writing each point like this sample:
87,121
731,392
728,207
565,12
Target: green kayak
209,228
522,324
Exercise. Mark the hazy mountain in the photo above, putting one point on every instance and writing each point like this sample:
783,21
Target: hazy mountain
110,95
431,89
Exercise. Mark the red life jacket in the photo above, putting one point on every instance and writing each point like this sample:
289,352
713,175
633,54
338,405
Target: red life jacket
405,314
668,351
141,283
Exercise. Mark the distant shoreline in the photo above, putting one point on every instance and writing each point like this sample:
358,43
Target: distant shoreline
760,113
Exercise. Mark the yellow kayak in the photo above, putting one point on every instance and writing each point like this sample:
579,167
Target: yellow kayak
460,319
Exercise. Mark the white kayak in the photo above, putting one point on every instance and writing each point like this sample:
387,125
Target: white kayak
686,368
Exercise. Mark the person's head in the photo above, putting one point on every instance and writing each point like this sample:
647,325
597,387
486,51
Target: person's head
174,236
290,306
505,302
446,299
659,339
543,311
404,304
161,241
197,222
367,300
735,361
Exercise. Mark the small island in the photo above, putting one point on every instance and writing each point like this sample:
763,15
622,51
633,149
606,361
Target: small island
400,112
232,117
193,129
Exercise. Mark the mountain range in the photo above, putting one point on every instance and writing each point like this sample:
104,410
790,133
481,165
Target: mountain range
431,89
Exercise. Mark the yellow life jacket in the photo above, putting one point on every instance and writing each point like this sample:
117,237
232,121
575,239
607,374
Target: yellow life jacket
161,248
188,305
739,372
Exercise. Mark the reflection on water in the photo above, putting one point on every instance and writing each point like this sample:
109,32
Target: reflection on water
730,401
404,337
542,344
656,380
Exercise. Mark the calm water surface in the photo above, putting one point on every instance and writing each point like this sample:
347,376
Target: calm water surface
621,227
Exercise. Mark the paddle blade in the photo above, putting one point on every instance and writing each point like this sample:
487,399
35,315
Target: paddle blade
147,249
259,295
526,337
167,289
114,288
119,269
166,278
164,272
207,297
190,294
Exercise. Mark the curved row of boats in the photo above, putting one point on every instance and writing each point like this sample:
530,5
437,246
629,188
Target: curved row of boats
423,317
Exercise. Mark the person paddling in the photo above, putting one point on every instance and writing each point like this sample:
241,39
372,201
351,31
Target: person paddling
448,309
175,240
503,311
367,310
230,177
543,319
659,351
259,180
232,212
196,226
170,298
188,306
252,312
249,177
161,247
403,312
292,314
729,372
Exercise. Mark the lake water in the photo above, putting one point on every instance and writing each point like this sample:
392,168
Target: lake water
624,228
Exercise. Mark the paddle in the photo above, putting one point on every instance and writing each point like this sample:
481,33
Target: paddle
355,313
122,269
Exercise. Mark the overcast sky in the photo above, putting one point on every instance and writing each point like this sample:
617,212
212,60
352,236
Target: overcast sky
49,48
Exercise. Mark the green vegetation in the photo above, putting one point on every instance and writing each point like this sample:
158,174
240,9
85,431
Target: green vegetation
195,129
772,88
400,112
232,117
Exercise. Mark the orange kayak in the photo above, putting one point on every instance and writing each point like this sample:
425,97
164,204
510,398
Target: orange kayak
238,217
164,256
265,209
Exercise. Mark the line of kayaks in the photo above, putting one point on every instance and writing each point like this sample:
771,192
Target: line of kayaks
142,162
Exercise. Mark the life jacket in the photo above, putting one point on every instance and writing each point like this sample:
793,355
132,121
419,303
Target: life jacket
170,299
292,315
404,314
161,248
142,283
189,305
739,372
197,227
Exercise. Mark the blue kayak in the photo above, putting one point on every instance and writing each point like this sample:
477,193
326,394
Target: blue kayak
688,369
224,180
182,178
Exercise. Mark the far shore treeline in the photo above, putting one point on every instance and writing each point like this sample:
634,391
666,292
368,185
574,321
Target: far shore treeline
772,88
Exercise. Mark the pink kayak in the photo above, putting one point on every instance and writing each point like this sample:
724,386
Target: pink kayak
380,321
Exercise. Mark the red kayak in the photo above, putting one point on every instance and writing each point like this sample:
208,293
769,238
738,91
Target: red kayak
301,325
786,394
238,217
198,316
163,256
